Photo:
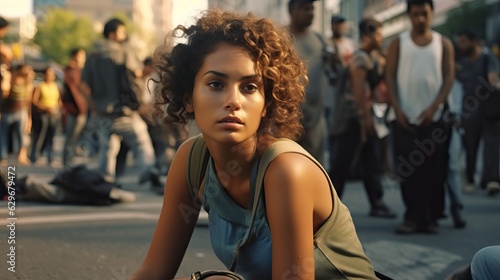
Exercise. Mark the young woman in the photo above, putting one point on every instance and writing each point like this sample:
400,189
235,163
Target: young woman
241,81
16,111
46,116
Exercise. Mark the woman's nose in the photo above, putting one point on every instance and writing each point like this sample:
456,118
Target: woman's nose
232,99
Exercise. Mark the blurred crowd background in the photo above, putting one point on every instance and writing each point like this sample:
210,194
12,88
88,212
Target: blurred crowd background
44,31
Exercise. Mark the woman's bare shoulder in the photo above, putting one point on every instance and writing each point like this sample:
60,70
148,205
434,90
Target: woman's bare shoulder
179,162
292,165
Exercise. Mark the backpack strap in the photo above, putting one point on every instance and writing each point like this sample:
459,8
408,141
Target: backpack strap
196,166
332,60
277,148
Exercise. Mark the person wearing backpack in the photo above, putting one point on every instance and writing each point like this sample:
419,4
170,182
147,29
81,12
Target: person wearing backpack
311,47
110,80
478,71
273,211
353,132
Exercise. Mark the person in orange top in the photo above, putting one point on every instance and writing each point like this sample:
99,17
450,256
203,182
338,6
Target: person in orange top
46,116
16,107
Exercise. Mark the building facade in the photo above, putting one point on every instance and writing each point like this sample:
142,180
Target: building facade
276,10
152,18
392,13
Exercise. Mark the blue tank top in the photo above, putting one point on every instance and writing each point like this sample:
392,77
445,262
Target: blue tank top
228,224
338,254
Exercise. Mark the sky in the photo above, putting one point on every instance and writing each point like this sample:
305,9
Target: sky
17,8
184,11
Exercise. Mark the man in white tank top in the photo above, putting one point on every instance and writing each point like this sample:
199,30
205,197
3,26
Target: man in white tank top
420,73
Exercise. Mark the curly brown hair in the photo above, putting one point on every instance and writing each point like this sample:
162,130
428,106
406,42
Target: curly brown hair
283,73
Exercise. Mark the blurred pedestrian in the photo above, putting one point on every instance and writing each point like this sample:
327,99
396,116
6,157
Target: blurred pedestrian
310,46
478,72
456,156
165,140
342,50
47,105
108,78
5,58
75,104
420,74
16,113
355,140
343,44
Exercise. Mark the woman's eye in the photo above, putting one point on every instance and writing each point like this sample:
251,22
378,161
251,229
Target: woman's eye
216,85
250,87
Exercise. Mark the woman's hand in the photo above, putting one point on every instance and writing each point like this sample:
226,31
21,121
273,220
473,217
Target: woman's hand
53,111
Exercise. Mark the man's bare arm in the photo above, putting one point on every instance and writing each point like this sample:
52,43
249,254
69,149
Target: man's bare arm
86,92
448,69
391,72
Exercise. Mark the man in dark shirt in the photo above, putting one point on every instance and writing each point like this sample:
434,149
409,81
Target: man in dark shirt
478,72
112,112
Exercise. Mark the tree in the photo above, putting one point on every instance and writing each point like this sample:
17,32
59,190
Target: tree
60,31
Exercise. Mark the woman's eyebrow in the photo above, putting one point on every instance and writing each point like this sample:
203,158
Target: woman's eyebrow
218,74
222,75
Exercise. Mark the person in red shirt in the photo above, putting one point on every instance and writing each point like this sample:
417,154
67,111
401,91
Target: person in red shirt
75,104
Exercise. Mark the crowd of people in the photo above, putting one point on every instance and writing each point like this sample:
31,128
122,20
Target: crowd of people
355,109
86,104
417,110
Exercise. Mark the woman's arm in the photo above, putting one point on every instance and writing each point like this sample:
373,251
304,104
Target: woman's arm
30,94
358,80
59,101
175,226
36,97
298,201
5,86
29,102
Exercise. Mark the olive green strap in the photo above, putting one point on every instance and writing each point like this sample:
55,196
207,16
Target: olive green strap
196,166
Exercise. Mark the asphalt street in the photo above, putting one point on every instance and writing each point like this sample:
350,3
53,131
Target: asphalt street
109,242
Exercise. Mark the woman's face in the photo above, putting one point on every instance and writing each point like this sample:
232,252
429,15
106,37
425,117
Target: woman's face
80,58
24,71
228,99
378,38
50,75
